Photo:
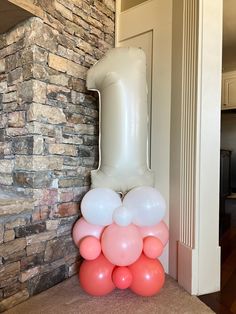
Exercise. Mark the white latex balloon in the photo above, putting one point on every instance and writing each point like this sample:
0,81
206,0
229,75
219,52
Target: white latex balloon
122,216
147,205
120,78
98,205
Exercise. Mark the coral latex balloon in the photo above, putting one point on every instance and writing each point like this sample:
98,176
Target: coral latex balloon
122,277
159,231
96,276
148,276
152,247
122,246
83,229
90,248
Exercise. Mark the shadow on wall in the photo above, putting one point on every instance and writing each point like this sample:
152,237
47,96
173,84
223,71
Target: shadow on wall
228,140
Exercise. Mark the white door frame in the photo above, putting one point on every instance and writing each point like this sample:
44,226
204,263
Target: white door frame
208,145
194,256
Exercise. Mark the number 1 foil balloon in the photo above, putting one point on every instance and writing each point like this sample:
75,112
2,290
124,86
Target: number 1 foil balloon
120,79
121,239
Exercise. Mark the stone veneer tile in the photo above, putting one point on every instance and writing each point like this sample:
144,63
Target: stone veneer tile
16,119
33,179
64,11
59,248
12,289
14,300
12,247
27,262
35,248
16,223
47,114
52,224
24,231
9,235
6,165
67,209
67,66
28,274
2,66
47,280
44,236
38,163
48,138
1,233
23,145
19,207
9,271
63,149
14,257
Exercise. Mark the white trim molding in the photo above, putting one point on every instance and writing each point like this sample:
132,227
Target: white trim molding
188,147
208,144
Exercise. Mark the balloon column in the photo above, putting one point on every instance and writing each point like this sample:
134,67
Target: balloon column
121,241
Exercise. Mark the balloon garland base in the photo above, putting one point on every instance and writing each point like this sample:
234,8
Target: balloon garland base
99,277
121,241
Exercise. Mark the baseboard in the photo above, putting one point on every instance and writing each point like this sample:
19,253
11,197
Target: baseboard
197,274
187,268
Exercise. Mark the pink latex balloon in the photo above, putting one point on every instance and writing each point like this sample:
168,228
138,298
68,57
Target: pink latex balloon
159,231
90,248
83,229
152,247
148,276
122,277
122,246
96,276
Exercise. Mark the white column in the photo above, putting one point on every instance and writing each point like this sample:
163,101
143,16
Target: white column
198,264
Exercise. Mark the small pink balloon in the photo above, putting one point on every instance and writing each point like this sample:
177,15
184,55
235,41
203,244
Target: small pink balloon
83,229
122,277
122,246
159,231
90,248
152,247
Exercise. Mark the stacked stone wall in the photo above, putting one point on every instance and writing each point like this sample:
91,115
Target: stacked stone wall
48,138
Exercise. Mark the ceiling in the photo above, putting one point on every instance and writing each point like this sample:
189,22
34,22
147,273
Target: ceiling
10,15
